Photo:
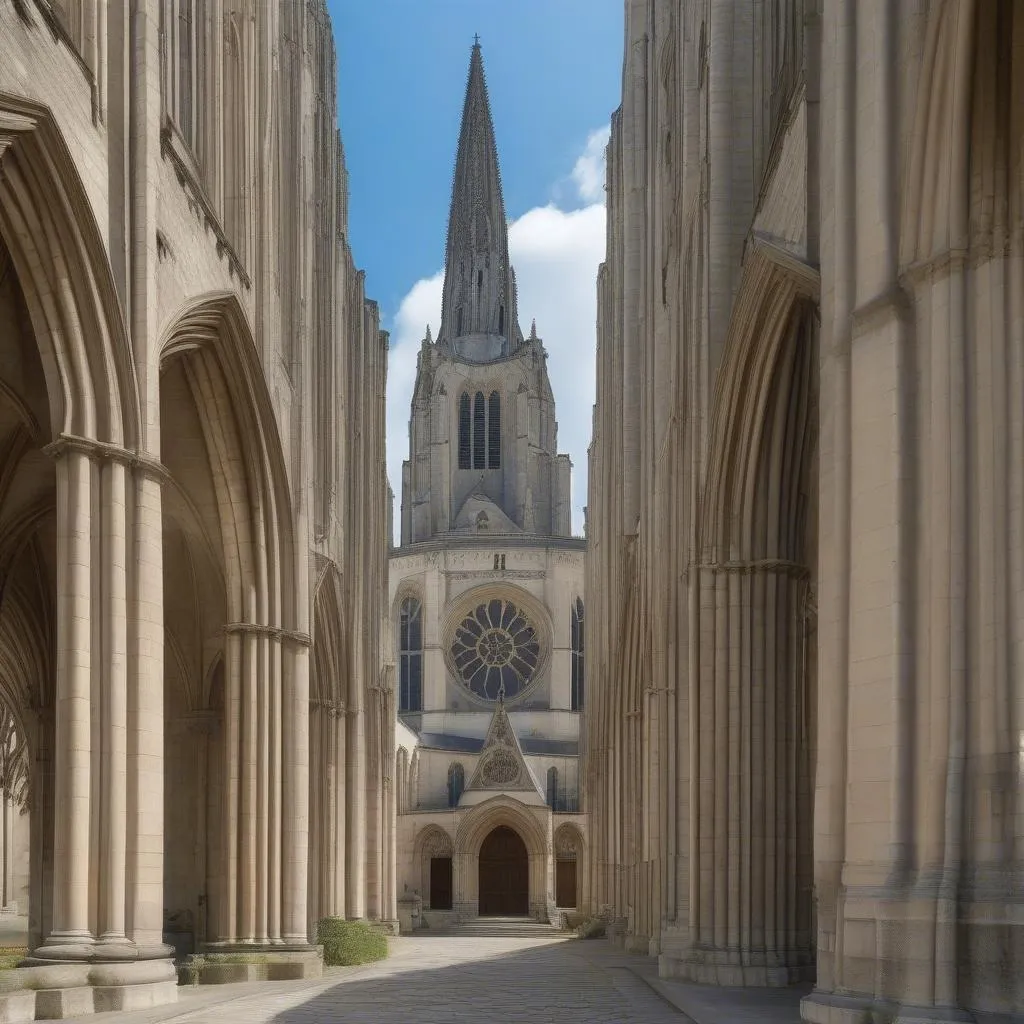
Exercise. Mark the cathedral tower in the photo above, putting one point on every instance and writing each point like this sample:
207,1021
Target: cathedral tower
483,436
487,586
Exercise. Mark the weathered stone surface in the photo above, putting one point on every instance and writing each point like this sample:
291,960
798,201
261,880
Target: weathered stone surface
806,559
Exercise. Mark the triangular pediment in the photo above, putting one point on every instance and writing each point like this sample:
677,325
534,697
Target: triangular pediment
502,767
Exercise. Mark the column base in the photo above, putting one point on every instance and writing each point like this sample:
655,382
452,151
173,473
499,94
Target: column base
47,990
829,1008
753,969
221,963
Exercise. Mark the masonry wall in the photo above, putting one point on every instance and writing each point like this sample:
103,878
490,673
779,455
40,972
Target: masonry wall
219,367
802,684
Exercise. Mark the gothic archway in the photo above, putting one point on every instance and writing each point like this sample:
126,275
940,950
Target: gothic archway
535,833
235,595
69,493
433,852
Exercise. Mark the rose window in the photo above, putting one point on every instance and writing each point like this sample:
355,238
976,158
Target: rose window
495,650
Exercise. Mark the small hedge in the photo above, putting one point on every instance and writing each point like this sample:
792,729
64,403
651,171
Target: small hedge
592,928
11,956
350,942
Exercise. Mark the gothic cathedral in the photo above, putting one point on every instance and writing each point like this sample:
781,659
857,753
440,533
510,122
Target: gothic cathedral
486,589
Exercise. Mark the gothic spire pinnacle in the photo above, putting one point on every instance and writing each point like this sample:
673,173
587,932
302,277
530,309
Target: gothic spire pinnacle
533,329
479,302
428,337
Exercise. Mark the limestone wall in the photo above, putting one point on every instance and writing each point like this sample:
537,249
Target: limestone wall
802,560
201,481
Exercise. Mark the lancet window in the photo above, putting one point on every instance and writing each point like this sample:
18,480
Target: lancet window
456,783
576,652
410,655
480,431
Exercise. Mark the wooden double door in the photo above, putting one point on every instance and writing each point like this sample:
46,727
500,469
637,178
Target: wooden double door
504,875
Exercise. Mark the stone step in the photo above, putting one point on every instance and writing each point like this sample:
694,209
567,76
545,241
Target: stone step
502,927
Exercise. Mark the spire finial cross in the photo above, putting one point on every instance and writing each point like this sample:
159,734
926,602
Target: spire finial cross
476,38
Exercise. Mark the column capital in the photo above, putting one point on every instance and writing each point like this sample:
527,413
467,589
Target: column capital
291,636
105,451
756,567
334,708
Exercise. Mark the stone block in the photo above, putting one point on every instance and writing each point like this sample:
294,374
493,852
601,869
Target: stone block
134,997
16,1007
59,1003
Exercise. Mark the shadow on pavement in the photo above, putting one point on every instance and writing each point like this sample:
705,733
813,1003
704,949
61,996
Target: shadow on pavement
442,980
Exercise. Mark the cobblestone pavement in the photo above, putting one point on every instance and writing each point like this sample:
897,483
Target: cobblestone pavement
441,980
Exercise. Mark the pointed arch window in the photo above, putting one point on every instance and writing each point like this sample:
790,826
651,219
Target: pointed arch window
576,654
494,431
465,432
479,431
501,319
552,788
456,783
410,655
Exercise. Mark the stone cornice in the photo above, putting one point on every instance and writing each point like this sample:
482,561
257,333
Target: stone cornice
493,574
496,541
105,451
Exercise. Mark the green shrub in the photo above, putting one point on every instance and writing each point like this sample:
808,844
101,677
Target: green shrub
592,928
11,956
350,942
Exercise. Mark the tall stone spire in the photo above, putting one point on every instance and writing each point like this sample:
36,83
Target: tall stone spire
479,318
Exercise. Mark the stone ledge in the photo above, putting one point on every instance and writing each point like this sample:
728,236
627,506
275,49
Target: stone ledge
59,991
252,963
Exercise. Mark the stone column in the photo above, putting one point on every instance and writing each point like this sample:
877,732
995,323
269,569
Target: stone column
355,883
295,817
227,917
113,702
752,828
265,781
247,773
275,804
70,927
144,790
340,809
8,865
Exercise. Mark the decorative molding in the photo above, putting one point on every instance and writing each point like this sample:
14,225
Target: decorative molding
493,574
334,708
189,177
756,567
104,451
273,632
11,126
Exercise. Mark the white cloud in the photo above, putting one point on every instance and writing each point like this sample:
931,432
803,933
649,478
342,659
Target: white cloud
588,174
556,255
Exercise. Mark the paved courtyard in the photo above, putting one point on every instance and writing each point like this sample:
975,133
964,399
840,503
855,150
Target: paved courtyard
441,980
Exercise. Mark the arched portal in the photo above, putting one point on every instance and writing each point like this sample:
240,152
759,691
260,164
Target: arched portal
433,852
568,855
237,644
504,872
74,599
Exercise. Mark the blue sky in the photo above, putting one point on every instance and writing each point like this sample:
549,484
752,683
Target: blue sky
554,76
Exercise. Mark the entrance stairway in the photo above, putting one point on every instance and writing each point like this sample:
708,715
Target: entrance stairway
502,928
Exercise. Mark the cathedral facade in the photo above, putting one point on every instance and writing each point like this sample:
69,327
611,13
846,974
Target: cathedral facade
486,589
805,569
195,715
